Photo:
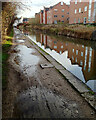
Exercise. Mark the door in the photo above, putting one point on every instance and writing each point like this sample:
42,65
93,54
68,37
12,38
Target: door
84,20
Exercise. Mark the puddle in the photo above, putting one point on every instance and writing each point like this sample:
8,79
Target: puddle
26,60
20,41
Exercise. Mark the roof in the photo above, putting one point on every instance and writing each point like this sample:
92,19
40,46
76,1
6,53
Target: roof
57,4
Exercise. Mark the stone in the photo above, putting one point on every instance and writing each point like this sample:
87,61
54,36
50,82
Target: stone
50,58
79,85
58,66
66,73
46,65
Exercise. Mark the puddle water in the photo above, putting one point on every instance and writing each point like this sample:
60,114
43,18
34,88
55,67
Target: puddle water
26,60
77,56
20,41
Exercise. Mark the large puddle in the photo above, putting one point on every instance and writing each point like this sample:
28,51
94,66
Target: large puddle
77,56
26,60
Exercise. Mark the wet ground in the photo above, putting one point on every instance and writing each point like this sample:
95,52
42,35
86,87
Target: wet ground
34,92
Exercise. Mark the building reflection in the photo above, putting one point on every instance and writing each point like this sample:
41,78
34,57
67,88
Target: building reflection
79,54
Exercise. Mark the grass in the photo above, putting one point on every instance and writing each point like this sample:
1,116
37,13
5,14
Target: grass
7,43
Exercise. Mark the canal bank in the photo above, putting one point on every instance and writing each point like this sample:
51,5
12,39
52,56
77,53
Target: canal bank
86,32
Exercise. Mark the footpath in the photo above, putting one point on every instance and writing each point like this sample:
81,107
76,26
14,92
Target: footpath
39,87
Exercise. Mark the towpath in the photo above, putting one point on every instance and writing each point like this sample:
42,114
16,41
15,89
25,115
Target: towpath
36,92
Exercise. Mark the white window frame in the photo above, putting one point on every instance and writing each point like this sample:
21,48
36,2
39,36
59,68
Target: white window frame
79,10
61,3
85,9
55,10
75,11
62,10
75,1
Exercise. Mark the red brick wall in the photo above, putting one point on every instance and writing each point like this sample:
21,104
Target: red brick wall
59,13
41,17
49,16
83,13
45,17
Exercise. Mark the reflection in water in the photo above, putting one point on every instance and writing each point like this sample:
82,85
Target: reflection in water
79,59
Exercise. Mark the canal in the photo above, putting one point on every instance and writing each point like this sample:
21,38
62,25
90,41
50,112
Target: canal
76,55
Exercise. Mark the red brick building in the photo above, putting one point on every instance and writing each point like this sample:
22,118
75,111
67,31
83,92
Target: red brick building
45,15
58,13
41,16
82,11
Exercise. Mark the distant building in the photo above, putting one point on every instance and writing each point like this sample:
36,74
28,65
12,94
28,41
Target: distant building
41,16
37,17
25,20
58,13
82,11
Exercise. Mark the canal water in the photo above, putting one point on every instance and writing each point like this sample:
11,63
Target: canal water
76,55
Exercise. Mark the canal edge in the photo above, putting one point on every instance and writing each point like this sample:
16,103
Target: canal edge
76,83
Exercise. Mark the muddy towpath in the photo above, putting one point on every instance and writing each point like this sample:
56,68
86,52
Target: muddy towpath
37,92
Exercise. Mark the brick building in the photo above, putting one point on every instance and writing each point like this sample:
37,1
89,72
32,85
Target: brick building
58,13
45,15
82,11
37,17
41,16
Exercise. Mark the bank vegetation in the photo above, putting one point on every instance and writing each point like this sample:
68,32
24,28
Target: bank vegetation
75,31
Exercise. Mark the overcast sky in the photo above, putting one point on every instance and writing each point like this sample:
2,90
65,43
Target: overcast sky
36,5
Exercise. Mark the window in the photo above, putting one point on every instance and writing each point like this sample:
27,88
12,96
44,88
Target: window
73,50
55,22
75,59
62,46
75,11
62,10
68,18
55,47
89,14
66,44
61,3
82,54
55,15
74,20
72,58
79,10
78,20
55,10
60,52
81,63
55,42
62,15
79,0
75,1
85,9
76,52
